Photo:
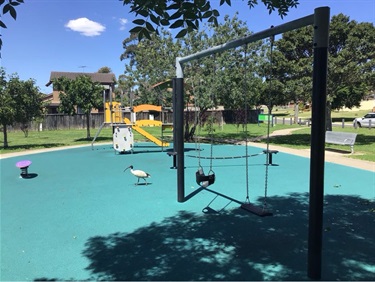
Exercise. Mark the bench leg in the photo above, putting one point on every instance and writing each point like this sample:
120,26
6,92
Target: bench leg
270,153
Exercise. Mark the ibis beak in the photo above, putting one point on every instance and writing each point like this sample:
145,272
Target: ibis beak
126,168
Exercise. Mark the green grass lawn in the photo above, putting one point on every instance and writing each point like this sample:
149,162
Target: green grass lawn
337,116
57,138
364,147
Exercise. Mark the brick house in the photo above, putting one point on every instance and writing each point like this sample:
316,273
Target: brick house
107,80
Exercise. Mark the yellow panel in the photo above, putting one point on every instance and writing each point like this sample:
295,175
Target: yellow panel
148,122
127,121
116,112
107,112
146,107
147,135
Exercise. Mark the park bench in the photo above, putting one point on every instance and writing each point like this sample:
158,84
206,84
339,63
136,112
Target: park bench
341,138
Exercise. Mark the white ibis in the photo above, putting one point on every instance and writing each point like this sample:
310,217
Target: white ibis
139,174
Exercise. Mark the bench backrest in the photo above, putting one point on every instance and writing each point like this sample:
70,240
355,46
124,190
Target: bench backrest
345,138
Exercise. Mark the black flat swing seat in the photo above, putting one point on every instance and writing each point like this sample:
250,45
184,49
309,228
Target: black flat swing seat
204,180
209,210
259,211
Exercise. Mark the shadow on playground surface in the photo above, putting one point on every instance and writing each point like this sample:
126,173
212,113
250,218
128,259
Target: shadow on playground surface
232,245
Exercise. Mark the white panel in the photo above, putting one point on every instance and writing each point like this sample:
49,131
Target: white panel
123,139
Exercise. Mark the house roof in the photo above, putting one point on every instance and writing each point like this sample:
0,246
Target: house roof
163,85
47,97
102,78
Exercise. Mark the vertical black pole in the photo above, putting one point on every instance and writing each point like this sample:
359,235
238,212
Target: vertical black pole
174,97
179,128
318,128
174,102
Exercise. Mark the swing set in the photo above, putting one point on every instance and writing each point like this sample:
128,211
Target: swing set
320,20
202,179
206,180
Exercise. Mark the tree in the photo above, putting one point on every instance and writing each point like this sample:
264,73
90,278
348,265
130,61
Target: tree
292,66
80,95
8,8
351,63
20,102
186,15
183,14
234,73
7,106
105,70
28,100
204,78
149,62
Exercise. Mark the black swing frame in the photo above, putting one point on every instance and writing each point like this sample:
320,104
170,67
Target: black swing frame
320,19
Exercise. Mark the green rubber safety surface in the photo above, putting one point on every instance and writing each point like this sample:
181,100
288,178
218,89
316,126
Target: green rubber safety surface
79,216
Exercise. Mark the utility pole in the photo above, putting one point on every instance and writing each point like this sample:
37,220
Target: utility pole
83,68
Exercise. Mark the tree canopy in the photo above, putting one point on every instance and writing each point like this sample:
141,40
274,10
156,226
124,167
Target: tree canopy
80,95
213,81
187,15
269,76
20,102
8,7
105,69
351,63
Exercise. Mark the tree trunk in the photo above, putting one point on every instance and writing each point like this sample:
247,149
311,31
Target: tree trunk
88,125
296,112
270,115
191,129
25,129
192,132
5,133
328,117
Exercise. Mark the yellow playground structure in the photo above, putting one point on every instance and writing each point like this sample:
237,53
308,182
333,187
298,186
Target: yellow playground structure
114,114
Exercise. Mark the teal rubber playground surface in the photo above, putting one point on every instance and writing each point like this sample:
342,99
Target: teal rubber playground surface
80,217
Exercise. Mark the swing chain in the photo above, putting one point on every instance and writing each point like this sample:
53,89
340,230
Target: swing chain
211,152
272,39
245,123
201,178
197,121
212,112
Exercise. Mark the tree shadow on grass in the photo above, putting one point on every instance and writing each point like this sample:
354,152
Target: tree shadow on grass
293,139
340,119
98,139
236,245
305,140
363,139
339,151
34,146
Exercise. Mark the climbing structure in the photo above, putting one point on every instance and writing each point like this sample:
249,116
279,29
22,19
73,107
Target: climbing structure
114,115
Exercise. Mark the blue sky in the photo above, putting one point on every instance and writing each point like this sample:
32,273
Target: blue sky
85,35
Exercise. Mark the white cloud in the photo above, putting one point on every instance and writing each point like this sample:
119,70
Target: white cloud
85,27
123,22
